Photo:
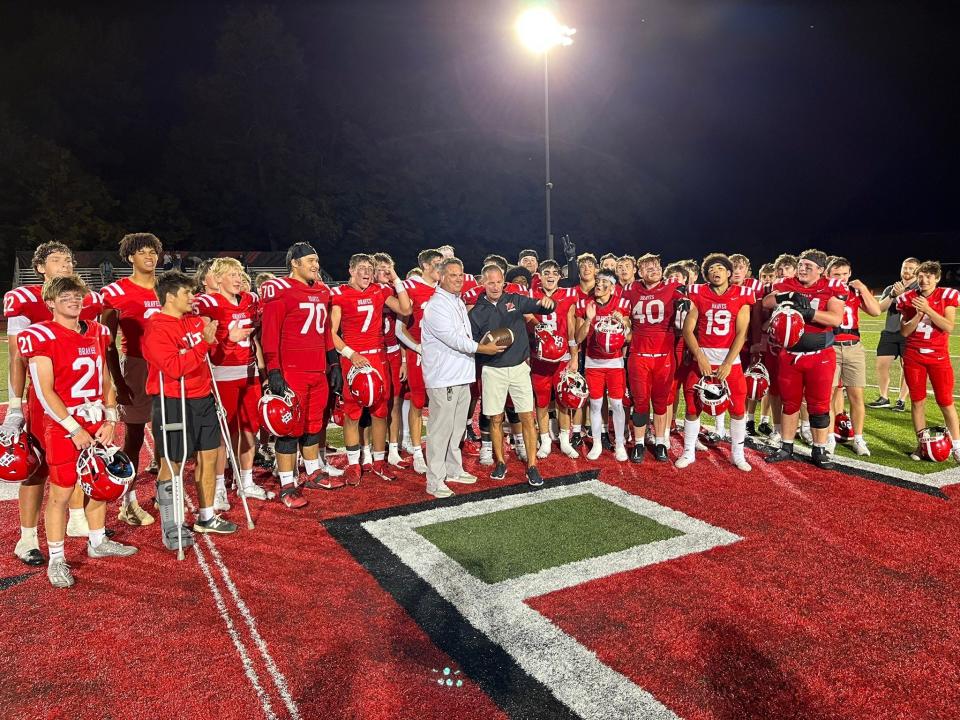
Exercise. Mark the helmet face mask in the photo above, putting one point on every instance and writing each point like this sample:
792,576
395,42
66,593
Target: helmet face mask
757,379
935,443
713,395
281,414
19,458
571,390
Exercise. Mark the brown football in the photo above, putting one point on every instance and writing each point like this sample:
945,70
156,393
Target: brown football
502,337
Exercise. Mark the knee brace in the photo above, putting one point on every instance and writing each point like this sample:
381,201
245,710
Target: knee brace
310,439
820,421
640,419
512,416
285,445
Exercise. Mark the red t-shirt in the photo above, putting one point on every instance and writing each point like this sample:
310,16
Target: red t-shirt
928,338
77,358
652,316
295,325
717,318
134,304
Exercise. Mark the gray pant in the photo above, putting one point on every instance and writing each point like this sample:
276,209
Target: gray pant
448,423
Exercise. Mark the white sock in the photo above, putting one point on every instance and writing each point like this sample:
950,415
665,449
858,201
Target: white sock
418,451
221,483
805,425
74,513
544,438
720,425
206,513
393,449
596,418
55,549
96,537
578,428
619,420
517,439
367,455
130,497
738,434
564,438
691,429
764,419
28,533
379,455
311,466
353,457
246,477
486,445
659,441
286,477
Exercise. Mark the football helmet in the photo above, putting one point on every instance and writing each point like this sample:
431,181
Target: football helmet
281,414
550,347
843,427
104,472
713,394
19,458
758,381
609,334
786,327
935,443
572,390
336,414
365,385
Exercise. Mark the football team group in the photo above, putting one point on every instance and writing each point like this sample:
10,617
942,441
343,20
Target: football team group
238,374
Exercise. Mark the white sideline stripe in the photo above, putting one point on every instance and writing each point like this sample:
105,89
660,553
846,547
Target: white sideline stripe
939,479
248,668
571,671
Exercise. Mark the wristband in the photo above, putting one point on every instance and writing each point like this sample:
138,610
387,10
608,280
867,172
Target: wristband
70,425
347,352
418,349
398,286
571,343
14,403
111,414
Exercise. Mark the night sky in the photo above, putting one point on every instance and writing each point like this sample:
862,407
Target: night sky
686,127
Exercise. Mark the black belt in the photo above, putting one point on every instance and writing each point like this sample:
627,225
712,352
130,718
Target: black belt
846,343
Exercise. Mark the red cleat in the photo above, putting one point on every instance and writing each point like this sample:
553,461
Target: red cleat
321,481
470,448
292,498
352,475
382,470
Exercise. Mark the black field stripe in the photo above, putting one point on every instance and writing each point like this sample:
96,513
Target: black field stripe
517,693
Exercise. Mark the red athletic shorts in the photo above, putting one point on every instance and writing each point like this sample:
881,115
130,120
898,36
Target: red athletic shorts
418,391
312,393
651,379
241,401
544,376
609,380
917,367
60,452
353,409
735,381
394,361
807,377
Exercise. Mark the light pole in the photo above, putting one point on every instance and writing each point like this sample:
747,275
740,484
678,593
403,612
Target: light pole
539,30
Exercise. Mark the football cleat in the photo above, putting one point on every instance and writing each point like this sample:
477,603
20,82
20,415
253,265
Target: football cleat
636,454
420,465
382,470
806,434
684,461
741,464
595,450
821,458
28,552
660,453
292,498
220,502
860,447
620,453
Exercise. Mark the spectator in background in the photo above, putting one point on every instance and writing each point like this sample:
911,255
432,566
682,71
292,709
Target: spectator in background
166,263
892,343
106,271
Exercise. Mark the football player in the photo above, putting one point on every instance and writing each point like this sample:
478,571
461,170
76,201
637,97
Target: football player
66,356
22,307
677,273
530,260
714,332
299,356
626,270
356,326
806,369
767,274
396,362
587,280
785,266
927,317
128,303
604,360
608,262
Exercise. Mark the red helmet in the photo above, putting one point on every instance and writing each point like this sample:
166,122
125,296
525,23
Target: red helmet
104,472
609,334
572,390
935,443
758,381
550,347
786,327
843,427
366,385
336,415
713,394
19,458
281,414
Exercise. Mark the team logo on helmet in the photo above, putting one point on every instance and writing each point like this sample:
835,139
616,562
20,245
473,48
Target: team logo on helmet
609,334
281,414
572,390
786,327
366,385
713,395
550,347
19,457
935,443
104,472
843,427
757,380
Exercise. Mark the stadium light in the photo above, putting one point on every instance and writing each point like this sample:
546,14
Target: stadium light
539,31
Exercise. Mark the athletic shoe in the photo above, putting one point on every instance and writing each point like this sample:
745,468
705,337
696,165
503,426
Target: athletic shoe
709,438
956,454
109,548
133,514
660,453
59,575
419,465
684,461
472,434
353,475
576,439
486,455
605,441
382,470
251,491
78,527
545,448
595,450
220,502
741,464
216,525
899,406
153,468
28,552
397,461
806,434
534,479
700,447
259,459
408,446
820,458
860,447
440,490
636,454
774,439
321,480
620,453
765,429
916,456
751,428
499,472
569,450
331,470
779,455
464,478
292,498
880,402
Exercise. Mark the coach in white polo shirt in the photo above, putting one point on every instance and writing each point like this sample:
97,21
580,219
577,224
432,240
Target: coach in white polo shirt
449,367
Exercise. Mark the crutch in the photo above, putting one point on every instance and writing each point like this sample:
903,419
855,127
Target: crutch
176,477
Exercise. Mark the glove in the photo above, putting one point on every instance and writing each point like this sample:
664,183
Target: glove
12,425
276,383
334,373
799,302
569,248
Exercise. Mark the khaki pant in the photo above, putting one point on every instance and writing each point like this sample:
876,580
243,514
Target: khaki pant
851,366
448,423
513,381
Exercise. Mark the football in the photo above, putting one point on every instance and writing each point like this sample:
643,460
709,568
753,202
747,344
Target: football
502,337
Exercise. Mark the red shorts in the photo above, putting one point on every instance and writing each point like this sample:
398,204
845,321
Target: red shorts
544,376
60,452
735,381
418,391
917,367
609,380
241,401
807,377
394,361
353,409
771,359
312,394
651,379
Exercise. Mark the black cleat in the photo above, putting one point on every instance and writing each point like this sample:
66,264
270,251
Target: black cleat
499,472
821,458
605,442
710,439
765,429
33,558
751,427
660,453
785,452
636,455
576,439
899,406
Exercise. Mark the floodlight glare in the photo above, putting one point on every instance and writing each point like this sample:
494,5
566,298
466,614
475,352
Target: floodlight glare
539,30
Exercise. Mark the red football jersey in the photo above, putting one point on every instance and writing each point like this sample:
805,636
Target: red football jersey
564,299
849,328
24,306
596,355
652,316
755,286
77,357
389,322
717,318
420,293
231,361
134,304
928,338
295,325
819,294
469,283
361,315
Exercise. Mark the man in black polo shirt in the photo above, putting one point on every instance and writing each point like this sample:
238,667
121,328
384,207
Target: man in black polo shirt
509,372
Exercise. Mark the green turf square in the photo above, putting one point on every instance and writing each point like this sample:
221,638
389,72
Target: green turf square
506,544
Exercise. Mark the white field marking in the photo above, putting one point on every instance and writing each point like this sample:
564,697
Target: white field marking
248,667
9,491
572,672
